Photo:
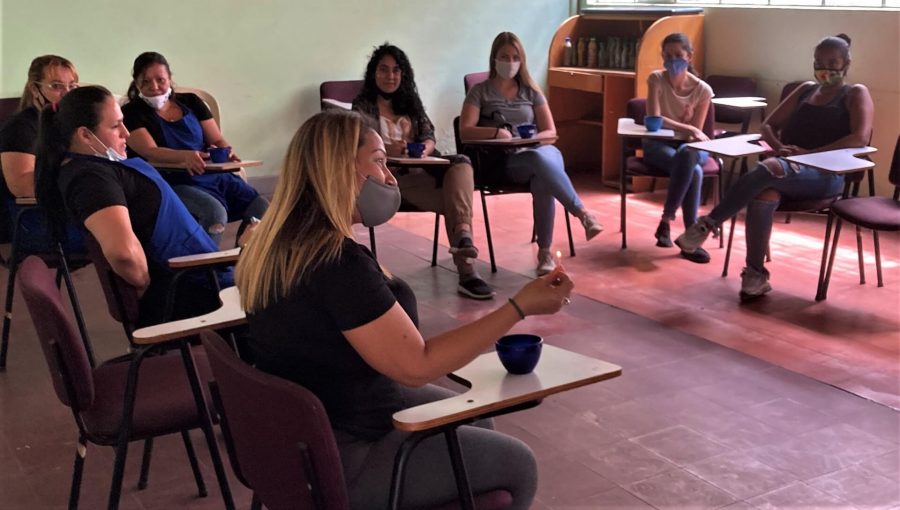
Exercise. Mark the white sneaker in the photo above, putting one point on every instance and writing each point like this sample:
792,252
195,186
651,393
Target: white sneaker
592,227
754,283
546,263
695,235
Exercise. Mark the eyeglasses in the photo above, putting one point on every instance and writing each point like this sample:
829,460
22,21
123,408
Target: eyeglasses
59,86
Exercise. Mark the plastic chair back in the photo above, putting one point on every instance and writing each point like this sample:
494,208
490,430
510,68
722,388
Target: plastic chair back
340,93
281,436
207,98
788,88
472,79
731,86
64,350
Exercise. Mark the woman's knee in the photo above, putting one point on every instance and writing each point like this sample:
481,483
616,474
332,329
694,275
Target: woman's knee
461,177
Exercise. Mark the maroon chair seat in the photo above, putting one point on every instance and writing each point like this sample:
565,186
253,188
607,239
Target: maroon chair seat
108,407
635,166
280,440
872,212
731,86
165,404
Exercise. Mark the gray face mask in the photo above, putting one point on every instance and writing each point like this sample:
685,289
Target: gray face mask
377,202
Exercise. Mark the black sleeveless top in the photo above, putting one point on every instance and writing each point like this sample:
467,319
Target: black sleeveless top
812,126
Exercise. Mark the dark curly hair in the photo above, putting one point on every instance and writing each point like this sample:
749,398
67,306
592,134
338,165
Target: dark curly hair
405,100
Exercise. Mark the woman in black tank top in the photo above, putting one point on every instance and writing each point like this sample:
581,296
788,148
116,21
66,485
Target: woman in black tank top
818,116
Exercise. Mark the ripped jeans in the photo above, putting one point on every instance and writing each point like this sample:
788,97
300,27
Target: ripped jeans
798,182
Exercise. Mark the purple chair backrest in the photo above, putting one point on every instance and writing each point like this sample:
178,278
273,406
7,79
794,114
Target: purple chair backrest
894,175
731,86
8,107
267,418
472,79
115,289
344,91
57,334
788,88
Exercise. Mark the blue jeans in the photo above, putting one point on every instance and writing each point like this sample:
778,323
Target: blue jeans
544,169
685,168
208,211
798,183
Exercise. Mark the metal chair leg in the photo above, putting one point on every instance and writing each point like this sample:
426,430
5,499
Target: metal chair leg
77,471
487,229
7,312
372,241
195,466
569,231
145,464
622,179
728,249
825,279
437,231
859,256
877,258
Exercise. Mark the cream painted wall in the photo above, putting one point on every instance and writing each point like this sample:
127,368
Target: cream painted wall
775,46
264,59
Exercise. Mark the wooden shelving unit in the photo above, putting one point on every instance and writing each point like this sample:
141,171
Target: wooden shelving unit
587,103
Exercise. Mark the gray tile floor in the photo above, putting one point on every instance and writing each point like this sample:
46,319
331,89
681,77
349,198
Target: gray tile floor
689,424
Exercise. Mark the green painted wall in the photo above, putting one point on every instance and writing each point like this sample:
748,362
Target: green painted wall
264,59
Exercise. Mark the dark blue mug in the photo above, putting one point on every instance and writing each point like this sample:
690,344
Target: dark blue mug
415,150
219,154
527,130
653,122
519,353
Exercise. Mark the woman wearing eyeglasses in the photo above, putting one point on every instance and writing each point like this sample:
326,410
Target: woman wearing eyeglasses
50,77
177,128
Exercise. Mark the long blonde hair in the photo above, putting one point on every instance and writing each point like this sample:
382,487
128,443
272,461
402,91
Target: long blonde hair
511,39
311,213
36,73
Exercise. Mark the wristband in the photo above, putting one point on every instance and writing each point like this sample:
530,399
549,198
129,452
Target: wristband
517,308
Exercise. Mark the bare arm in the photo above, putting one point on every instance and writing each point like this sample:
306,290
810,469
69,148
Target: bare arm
469,129
775,122
544,120
393,346
111,227
212,136
141,142
18,171
654,107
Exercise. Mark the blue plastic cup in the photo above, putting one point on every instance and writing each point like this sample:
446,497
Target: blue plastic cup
519,353
415,150
219,154
527,130
653,122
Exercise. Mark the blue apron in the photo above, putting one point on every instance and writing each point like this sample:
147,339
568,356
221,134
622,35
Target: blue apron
187,134
176,232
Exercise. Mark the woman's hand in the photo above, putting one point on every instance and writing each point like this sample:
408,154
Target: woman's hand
790,150
193,162
546,294
503,134
698,136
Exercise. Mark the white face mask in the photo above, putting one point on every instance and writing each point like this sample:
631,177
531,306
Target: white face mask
157,102
507,70
110,153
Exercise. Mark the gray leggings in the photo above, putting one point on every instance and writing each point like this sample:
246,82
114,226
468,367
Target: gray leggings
493,461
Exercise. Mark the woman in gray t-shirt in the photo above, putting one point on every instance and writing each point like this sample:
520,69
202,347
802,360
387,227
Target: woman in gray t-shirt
511,98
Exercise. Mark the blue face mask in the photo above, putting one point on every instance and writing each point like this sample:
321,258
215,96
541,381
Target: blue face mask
676,66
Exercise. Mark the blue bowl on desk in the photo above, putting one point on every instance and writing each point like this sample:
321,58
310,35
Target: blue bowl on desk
219,154
653,122
519,353
527,130
415,150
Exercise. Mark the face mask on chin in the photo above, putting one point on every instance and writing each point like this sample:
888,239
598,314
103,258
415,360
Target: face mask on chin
827,77
507,70
109,153
157,102
377,202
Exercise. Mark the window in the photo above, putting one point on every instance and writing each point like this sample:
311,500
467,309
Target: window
780,3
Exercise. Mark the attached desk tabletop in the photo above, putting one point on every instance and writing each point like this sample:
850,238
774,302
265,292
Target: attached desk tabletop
216,257
838,161
417,162
513,142
732,146
740,103
231,166
492,389
26,201
631,129
228,315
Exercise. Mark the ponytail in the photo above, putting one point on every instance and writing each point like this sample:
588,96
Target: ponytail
58,123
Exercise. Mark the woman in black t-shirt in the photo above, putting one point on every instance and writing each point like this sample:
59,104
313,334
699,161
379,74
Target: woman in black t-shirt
324,314
171,127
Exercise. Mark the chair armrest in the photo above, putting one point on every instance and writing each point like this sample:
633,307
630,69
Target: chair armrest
205,259
228,315
26,201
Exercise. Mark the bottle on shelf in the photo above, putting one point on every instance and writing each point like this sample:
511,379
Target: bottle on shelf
602,55
581,51
614,52
592,53
568,53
